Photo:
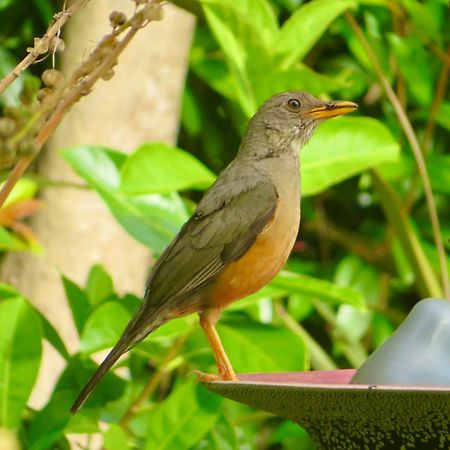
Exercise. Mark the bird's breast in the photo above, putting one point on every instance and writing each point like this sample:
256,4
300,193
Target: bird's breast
266,256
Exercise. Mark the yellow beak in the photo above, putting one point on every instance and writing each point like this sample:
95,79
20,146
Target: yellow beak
332,109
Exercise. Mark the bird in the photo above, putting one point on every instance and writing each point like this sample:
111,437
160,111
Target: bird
239,236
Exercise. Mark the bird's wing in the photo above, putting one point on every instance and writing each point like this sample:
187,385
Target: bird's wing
226,223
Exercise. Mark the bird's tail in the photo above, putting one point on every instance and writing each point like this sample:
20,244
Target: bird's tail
136,330
119,349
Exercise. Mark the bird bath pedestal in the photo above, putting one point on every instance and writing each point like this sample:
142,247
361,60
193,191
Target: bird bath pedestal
339,415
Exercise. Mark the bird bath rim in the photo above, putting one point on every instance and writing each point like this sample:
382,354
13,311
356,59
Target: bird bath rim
323,379
346,416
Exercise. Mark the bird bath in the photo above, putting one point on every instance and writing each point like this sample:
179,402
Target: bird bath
401,401
340,415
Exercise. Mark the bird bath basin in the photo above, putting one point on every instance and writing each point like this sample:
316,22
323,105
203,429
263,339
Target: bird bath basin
401,399
340,415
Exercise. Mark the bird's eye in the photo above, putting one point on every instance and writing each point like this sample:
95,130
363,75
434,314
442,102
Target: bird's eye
294,104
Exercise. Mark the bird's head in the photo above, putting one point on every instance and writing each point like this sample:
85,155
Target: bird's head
286,121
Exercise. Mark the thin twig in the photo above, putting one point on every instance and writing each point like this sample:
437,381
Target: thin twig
14,177
353,350
48,128
80,89
319,357
412,139
441,88
374,254
153,382
61,18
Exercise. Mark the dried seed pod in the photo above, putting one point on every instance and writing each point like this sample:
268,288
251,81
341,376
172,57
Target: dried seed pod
52,78
56,44
103,52
43,94
27,147
108,74
7,126
40,46
117,18
8,155
13,112
153,11
84,88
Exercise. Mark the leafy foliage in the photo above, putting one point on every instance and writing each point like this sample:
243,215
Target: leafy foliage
364,256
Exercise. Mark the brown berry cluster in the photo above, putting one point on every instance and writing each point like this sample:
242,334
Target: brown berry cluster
19,123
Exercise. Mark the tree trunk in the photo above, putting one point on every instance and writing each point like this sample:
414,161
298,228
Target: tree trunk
141,103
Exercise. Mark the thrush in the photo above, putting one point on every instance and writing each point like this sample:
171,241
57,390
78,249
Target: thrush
240,235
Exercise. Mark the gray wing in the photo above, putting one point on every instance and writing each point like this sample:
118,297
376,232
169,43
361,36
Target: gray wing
226,223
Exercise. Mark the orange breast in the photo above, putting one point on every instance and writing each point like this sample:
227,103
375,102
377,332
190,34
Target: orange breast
264,259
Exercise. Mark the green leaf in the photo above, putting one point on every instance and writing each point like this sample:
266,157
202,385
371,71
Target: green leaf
9,242
259,11
99,285
48,424
290,436
78,302
301,77
253,347
76,375
160,340
305,27
425,277
355,273
299,307
23,190
160,168
223,436
355,322
115,438
104,327
5,3
84,421
438,170
8,291
382,329
342,148
214,71
52,336
183,419
415,65
20,354
99,166
151,219
243,33
443,115
424,19
321,289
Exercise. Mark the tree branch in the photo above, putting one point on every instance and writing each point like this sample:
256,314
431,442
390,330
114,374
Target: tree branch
43,45
98,65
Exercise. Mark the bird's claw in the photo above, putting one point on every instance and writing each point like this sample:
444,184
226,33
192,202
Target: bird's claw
210,378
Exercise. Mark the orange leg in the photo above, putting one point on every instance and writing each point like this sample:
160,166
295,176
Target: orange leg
208,320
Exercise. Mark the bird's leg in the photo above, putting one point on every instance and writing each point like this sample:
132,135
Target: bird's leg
208,320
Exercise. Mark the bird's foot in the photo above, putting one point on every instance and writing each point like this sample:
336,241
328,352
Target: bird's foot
209,377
